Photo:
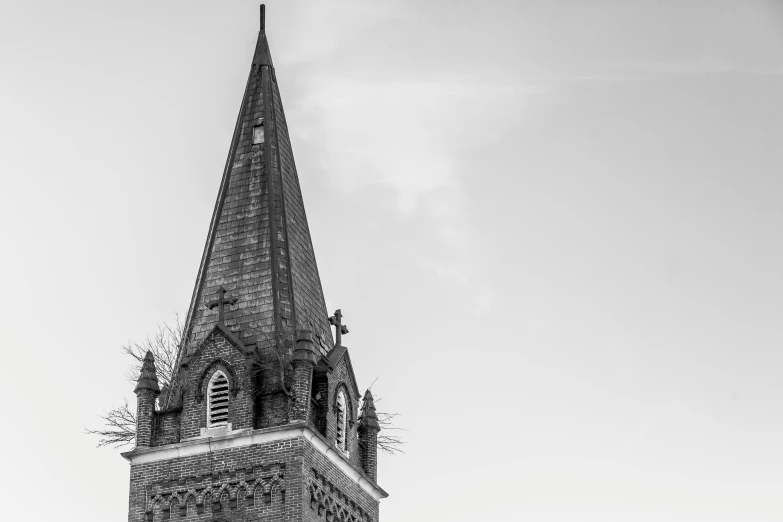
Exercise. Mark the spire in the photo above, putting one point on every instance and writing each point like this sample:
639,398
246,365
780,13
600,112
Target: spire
262,55
367,417
258,246
148,377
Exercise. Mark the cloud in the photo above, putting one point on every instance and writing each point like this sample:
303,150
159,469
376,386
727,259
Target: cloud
407,136
645,70
319,27
412,139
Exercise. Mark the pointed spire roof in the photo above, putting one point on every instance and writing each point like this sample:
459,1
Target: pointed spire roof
258,246
367,417
148,377
262,56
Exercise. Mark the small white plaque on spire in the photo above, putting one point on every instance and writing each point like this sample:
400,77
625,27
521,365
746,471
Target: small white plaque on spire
258,133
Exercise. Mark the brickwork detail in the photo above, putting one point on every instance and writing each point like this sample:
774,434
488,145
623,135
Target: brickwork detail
166,428
328,501
319,401
216,492
301,400
220,482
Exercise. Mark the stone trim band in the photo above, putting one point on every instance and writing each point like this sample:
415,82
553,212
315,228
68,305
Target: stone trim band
242,438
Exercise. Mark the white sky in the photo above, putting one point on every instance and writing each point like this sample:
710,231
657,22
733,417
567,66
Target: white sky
553,228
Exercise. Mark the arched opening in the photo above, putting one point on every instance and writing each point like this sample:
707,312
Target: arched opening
341,437
217,400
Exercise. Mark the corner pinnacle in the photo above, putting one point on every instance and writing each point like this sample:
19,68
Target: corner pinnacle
368,418
148,377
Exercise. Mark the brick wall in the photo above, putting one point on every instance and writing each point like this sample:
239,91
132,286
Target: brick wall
259,482
328,489
283,480
166,428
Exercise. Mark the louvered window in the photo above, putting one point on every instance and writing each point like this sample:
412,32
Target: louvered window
217,402
258,134
342,418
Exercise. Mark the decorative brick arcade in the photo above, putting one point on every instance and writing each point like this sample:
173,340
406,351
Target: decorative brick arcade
258,342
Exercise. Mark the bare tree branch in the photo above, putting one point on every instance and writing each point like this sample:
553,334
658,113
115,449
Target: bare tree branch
163,345
119,423
389,443
119,427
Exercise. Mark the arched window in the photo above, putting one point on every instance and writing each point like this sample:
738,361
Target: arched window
217,400
341,438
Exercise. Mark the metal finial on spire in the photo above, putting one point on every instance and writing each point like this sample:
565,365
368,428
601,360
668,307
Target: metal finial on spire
263,22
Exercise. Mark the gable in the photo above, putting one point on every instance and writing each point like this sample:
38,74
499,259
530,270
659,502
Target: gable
339,362
219,333
219,351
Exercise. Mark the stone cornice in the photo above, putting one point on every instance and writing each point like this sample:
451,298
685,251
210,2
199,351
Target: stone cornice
247,437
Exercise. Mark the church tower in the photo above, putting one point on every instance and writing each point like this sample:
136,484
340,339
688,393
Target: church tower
262,419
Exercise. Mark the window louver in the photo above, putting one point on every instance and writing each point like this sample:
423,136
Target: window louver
341,420
218,400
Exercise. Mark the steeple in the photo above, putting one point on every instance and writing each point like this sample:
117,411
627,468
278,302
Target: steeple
258,247
259,419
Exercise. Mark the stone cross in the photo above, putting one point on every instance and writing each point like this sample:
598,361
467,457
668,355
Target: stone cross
219,302
337,321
